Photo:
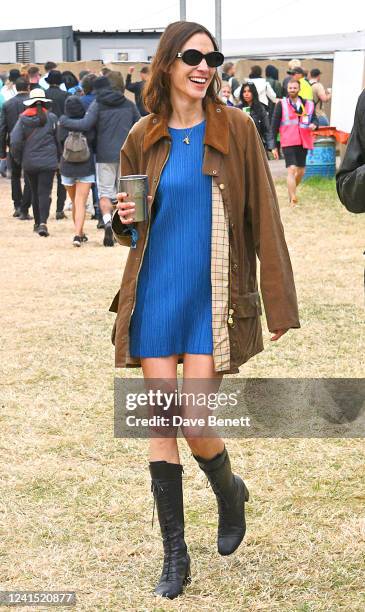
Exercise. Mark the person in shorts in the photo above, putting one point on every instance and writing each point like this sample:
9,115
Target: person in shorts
77,177
112,115
295,119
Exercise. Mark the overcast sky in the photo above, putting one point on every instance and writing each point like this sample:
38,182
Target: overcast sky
239,19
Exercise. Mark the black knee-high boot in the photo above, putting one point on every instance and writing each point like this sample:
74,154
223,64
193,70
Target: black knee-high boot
231,493
166,486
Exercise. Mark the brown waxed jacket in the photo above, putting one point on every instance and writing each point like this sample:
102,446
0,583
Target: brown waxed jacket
241,179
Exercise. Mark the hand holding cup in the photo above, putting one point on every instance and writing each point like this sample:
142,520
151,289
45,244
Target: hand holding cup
126,209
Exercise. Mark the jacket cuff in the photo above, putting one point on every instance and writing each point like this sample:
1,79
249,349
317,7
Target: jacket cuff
126,235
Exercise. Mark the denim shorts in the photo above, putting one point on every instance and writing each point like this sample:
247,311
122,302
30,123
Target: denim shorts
69,181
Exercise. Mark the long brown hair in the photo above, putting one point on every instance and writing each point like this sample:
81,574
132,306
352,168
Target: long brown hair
156,93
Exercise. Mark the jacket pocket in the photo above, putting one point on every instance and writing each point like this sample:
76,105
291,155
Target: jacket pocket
248,305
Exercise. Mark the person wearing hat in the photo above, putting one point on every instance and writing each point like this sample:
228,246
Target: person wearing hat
8,118
33,143
294,63
48,66
9,89
58,97
112,115
55,93
305,90
320,96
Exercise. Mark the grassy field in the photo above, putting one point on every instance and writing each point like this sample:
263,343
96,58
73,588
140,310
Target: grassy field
75,503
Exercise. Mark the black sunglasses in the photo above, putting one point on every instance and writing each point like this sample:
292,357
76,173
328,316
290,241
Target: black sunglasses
193,57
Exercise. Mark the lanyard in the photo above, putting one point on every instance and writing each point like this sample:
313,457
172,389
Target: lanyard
299,112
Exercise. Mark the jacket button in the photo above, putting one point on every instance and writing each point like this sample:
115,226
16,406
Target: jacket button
221,186
155,179
234,305
219,110
235,266
154,120
214,172
232,225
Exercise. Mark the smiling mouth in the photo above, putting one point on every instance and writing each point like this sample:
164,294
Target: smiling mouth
198,80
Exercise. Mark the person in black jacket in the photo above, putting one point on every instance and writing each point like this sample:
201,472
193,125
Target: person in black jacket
9,116
58,97
54,93
250,103
77,177
137,88
112,115
350,178
33,143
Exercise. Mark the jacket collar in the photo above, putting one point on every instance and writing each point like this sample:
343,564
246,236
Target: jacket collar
216,131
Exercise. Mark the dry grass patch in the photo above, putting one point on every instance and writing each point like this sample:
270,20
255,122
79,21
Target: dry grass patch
75,504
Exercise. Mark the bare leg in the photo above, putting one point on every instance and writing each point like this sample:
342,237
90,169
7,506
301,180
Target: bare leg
71,191
291,182
105,205
299,175
82,192
200,367
163,368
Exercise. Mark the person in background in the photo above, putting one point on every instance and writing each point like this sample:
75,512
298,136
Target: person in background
9,116
112,115
320,95
78,88
69,79
48,66
88,96
55,93
58,97
228,74
33,75
33,143
3,164
77,177
9,90
138,87
225,93
305,89
250,103
295,119
350,178
294,63
105,71
272,77
87,90
264,89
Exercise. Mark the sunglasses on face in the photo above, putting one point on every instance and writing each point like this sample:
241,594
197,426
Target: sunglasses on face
193,57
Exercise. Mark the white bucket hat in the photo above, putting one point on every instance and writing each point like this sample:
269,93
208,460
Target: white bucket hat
36,95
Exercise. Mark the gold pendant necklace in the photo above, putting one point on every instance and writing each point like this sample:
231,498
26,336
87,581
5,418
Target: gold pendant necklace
186,140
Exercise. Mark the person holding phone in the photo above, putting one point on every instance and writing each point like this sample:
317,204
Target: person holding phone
189,290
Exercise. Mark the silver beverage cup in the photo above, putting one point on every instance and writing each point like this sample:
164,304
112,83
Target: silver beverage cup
136,186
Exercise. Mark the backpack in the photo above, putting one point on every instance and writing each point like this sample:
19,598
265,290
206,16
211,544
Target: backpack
76,148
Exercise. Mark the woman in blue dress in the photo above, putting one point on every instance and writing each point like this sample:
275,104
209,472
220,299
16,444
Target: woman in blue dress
172,316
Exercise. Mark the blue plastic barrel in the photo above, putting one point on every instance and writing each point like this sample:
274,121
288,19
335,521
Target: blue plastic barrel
321,161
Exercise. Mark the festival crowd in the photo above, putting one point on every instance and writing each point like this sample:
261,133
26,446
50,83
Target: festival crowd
57,126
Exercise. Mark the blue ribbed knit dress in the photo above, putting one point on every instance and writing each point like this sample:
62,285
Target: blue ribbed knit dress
173,311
